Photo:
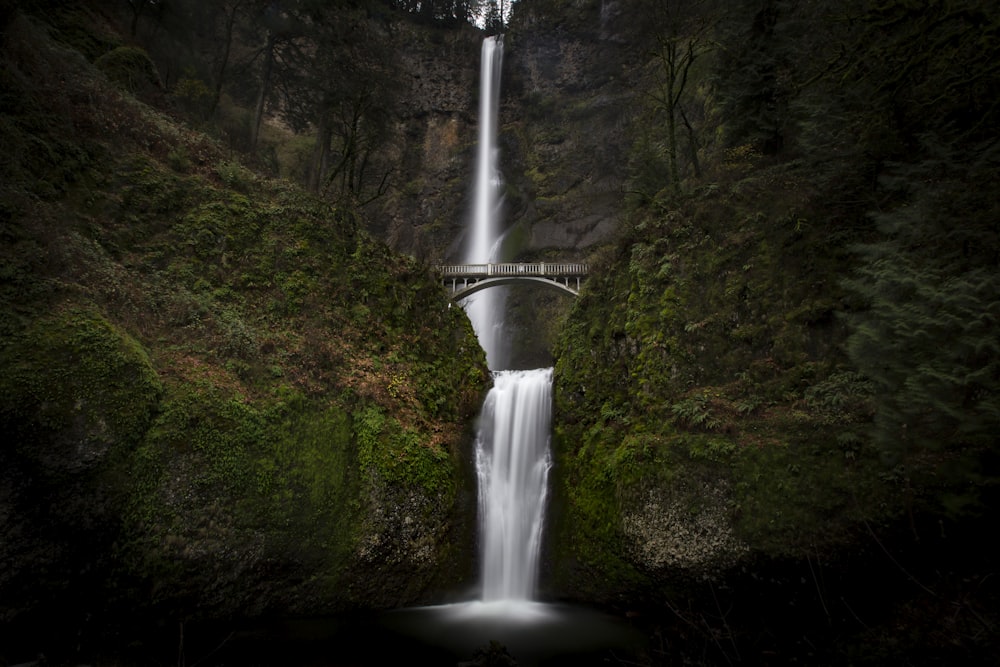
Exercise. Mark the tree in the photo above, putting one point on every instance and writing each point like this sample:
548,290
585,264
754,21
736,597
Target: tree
229,12
495,15
331,89
928,337
678,34
138,8
751,80
280,29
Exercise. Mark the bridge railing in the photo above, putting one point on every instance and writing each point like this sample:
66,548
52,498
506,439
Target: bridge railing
560,269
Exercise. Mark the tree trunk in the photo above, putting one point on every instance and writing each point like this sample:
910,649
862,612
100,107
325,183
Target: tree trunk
692,144
137,7
671,96
321,150
224,61
265,85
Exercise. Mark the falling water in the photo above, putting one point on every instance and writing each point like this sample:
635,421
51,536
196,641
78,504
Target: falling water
512,456
485,309
512,462
512,444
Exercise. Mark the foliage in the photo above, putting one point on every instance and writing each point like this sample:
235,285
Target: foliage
927,339
187,347
130,68
76,381
447,12
389,454
752,86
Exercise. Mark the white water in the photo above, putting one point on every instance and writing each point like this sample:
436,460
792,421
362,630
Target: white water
512,458
485,309
512,463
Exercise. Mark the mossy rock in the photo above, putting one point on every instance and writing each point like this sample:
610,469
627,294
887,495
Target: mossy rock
75,388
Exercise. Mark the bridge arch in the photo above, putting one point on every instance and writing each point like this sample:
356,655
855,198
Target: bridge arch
487,283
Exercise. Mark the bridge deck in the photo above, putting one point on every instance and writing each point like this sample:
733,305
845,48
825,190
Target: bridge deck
540,269
466,279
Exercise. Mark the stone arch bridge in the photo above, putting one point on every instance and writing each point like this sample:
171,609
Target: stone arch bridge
466,279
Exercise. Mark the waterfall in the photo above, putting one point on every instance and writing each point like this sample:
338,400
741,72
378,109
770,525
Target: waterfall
512,458
512,463
485,309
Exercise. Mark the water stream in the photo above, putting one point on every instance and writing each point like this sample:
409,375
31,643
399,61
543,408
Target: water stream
512,457
486,308
512,465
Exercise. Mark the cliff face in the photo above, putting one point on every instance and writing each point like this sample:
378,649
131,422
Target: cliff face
566,103
425,215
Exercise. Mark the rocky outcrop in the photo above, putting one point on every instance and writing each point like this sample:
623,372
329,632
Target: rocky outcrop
668,532
424,214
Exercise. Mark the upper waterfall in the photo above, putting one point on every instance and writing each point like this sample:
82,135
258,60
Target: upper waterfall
485,310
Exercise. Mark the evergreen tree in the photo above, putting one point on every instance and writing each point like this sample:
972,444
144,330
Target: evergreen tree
929,337
752,80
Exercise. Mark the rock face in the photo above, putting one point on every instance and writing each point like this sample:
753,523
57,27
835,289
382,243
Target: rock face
424,216
565,102
665,534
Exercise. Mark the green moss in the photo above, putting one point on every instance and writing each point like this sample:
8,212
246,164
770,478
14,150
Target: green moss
73,377
130,67
800,496
389,454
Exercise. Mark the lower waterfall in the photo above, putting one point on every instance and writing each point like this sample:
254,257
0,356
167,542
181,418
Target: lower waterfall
512,465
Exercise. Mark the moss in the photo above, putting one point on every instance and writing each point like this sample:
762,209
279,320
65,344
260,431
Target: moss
216,428
129,67
75,382
803,495
259,477
389,454
598,476
76,27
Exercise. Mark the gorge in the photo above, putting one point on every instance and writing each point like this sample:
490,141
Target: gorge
512,462
240,414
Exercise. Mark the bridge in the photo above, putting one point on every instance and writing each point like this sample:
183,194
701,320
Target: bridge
467,279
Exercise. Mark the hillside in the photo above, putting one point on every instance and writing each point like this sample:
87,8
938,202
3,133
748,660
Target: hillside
221,396
777,395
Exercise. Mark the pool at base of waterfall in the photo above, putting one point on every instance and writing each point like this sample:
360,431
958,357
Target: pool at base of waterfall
469,633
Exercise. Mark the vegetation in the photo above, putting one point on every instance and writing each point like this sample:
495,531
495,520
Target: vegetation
787,355
195,358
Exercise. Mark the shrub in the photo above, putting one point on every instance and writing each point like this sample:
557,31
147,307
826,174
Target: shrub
130,68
